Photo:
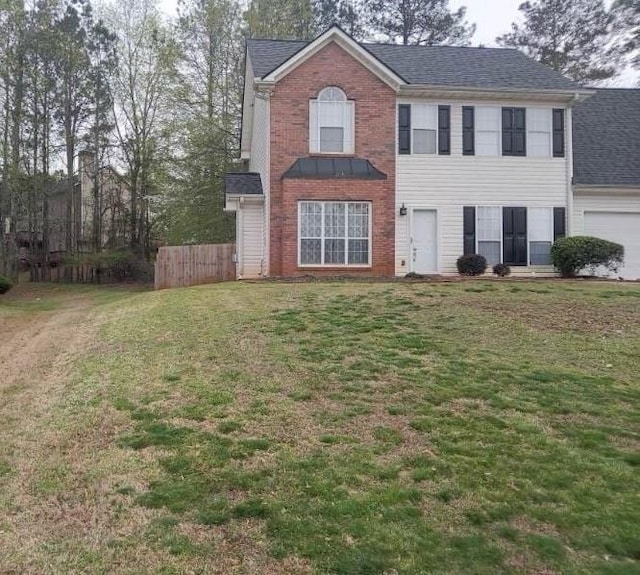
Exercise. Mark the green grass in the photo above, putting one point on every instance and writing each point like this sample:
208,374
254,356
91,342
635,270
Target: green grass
485,427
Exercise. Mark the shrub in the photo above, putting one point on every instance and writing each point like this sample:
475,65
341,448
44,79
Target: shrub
502,270
571,255
471,265
5,285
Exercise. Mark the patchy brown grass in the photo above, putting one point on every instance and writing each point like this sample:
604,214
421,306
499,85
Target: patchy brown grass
469,425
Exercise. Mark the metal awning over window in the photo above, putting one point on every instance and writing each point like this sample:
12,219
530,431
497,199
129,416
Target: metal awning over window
334,168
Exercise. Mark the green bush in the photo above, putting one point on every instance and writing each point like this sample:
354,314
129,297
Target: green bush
502,270
574,254
5,285
471,265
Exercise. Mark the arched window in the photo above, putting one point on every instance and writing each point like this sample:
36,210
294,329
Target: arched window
332,94
331,122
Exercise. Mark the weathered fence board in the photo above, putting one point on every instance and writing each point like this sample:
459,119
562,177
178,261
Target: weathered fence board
182,266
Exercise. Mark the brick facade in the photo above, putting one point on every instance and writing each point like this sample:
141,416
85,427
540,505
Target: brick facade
375,135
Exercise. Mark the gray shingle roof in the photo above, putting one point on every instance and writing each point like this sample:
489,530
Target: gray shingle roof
334,168
242,183
447,66
606,138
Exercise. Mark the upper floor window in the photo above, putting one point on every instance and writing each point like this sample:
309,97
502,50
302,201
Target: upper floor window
331,123
536,132
424,129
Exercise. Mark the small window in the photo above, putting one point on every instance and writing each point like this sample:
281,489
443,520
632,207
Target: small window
489,233
331,123
334,234
425,129
487,122
539,132
541,231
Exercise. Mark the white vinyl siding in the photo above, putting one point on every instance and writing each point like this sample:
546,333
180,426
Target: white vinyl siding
448,183
488,131
250,237
424,123
334,233
613,215
539,130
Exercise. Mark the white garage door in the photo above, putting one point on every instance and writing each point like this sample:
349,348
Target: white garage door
622,228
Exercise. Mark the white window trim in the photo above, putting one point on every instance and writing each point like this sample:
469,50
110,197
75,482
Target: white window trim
348,108
322,236
497,131
414,127
529,235
548,132
501,229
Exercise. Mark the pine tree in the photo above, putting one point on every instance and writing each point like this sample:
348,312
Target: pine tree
348,14
429,22
627,18
573,37
281,19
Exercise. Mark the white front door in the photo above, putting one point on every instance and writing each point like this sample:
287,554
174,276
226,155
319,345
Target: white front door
424,243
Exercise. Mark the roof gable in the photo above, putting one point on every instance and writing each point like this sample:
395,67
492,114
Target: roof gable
336,35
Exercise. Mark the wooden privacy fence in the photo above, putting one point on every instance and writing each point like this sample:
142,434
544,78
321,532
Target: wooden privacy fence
182,266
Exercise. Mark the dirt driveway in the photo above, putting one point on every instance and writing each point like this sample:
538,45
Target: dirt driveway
36,347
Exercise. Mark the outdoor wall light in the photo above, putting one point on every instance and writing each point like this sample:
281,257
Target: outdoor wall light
403,210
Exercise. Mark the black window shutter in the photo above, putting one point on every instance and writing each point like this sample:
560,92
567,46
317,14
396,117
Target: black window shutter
444,130
559,223
514,228
514,132
507,131
469,230
558,133
404,129
468,131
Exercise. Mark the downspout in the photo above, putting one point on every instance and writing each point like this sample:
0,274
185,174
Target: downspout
569,128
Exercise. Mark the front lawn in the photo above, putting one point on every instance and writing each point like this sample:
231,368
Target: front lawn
467,427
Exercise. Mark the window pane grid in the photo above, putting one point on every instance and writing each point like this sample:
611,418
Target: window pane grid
334,233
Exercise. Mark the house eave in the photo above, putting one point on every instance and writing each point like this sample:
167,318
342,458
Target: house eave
610,189
564,96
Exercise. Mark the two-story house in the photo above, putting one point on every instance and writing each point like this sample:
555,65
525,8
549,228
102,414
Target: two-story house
370,159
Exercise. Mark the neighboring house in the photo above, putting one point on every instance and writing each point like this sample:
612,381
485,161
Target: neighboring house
107,209
368,159
606,134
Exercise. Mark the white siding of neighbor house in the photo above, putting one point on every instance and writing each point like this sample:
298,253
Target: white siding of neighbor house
447,183
249,234
611,200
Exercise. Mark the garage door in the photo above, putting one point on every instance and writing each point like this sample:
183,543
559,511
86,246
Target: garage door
622,228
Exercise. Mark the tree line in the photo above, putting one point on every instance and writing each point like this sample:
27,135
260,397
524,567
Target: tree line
159,99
